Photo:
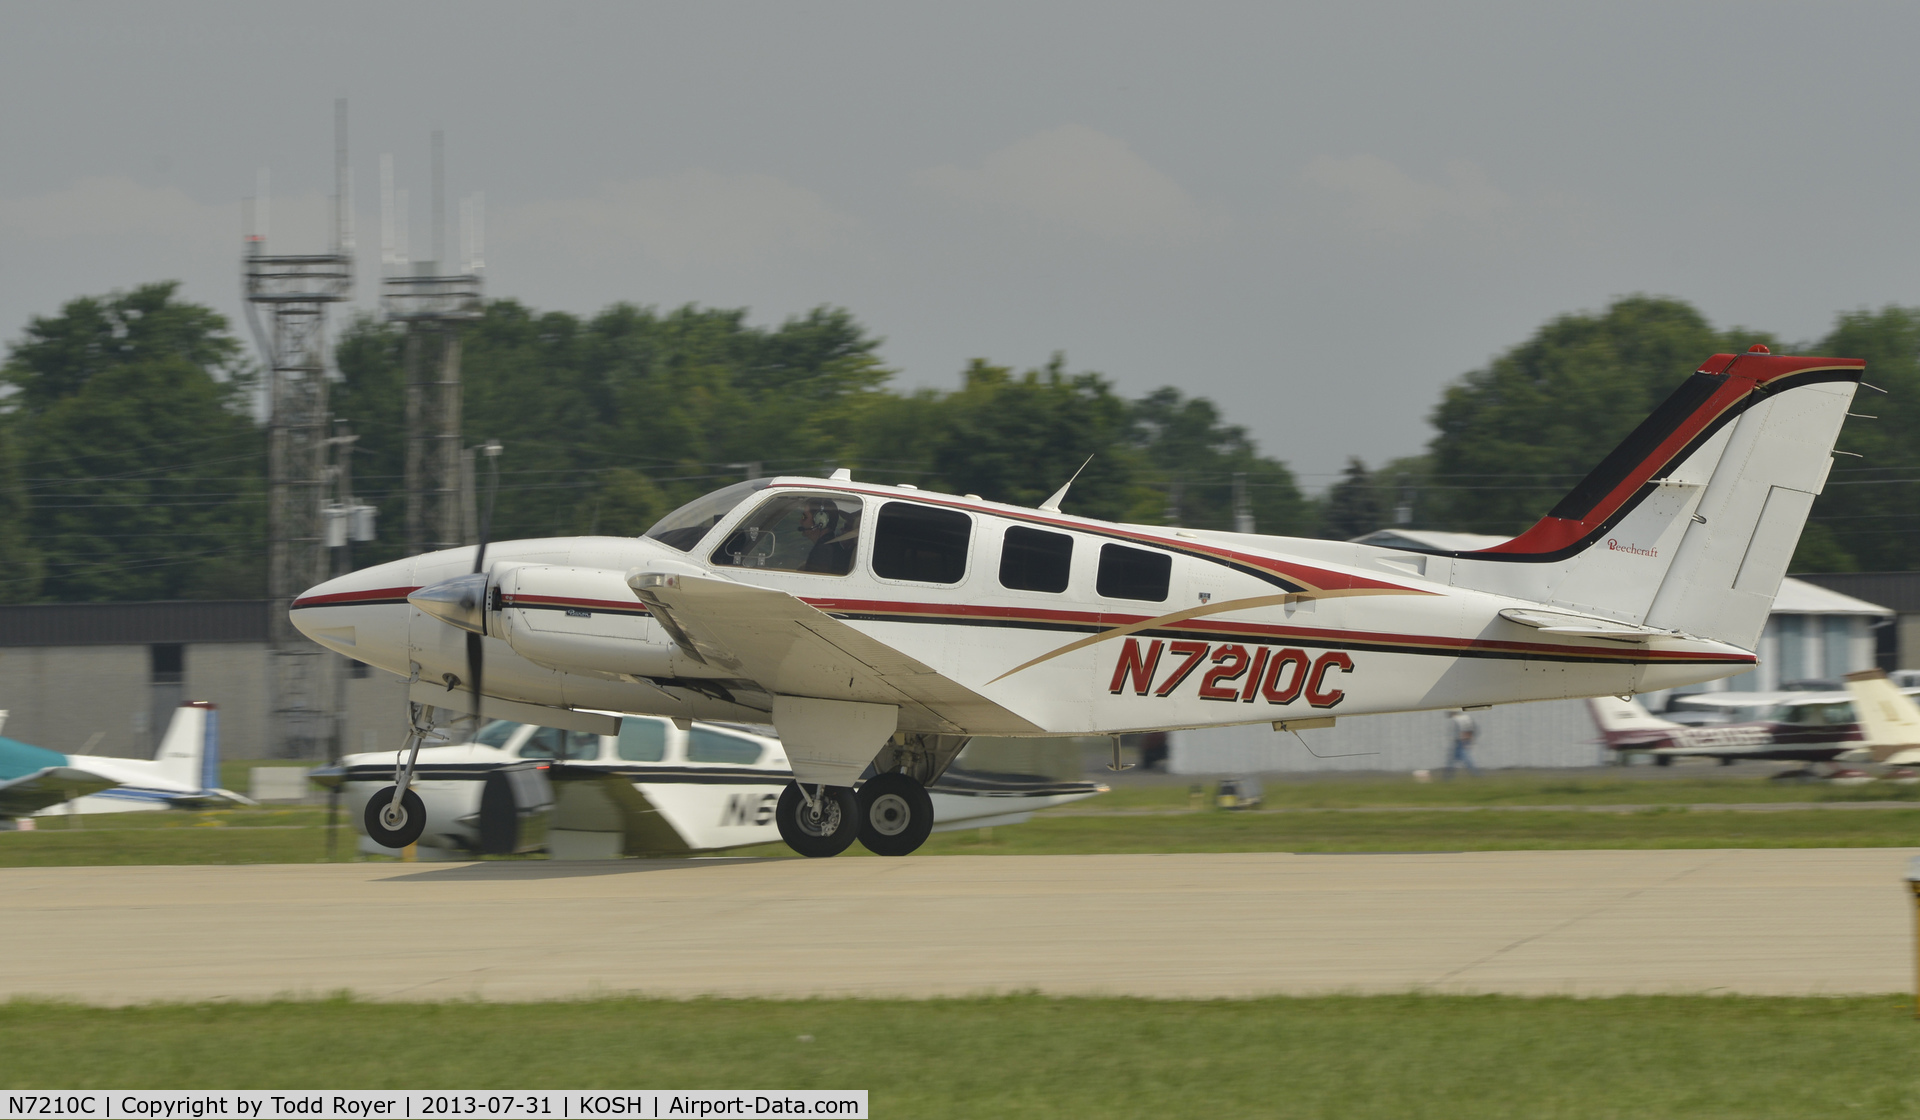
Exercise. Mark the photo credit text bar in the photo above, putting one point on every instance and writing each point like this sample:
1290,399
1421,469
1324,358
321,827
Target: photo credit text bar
452,1104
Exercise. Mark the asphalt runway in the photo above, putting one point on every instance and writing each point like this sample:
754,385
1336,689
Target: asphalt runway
1791,922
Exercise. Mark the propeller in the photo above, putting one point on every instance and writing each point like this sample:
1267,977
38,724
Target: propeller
476,658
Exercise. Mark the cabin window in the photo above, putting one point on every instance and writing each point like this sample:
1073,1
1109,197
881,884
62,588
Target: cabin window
1035,560
497,733
642,740
1134,573
921,543
795,533
704,744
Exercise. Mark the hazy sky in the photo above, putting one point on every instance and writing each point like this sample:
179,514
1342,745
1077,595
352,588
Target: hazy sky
1318,215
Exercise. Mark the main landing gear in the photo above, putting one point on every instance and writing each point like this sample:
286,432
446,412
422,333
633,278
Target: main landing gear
817,822
891,814
896,814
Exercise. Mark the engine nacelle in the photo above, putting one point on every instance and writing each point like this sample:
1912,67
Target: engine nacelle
583,620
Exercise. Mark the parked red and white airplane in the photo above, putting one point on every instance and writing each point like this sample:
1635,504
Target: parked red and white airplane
184,773
881,626
1816,727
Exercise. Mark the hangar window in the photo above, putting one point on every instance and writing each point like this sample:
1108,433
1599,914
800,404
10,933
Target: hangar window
796,533
167,662
921,543
705,744
1134,573
1035,560
643,740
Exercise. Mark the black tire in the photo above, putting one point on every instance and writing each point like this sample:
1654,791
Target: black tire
829,834
896,815
412,822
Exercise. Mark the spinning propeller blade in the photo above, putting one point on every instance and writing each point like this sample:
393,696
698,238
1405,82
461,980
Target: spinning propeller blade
476,658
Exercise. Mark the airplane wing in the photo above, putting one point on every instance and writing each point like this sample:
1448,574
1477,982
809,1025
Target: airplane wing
51,785
792,649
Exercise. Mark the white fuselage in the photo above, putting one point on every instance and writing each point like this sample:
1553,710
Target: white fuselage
1246,628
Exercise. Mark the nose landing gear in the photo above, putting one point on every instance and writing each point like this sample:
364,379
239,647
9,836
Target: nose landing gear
817,823
396,816
395,826
896,814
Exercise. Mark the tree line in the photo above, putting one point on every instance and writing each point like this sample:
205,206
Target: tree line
132,459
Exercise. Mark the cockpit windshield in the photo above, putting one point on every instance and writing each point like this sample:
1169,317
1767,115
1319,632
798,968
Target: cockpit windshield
683,528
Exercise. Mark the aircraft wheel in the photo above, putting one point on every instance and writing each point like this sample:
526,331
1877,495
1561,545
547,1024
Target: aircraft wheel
896,815
395,830
825,833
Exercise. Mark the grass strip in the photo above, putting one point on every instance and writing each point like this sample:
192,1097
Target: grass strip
1355,1057
298,835
1482,830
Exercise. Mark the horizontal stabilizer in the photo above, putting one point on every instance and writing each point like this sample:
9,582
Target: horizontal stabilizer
1559,622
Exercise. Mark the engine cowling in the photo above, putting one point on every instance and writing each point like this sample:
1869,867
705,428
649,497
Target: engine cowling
583,620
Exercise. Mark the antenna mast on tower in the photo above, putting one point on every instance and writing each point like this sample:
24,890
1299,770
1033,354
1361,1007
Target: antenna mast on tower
292,293
432,298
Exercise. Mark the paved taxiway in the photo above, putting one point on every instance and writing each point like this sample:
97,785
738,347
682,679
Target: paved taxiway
1592,922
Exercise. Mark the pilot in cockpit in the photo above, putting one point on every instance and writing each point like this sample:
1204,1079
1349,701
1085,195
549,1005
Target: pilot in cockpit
833,533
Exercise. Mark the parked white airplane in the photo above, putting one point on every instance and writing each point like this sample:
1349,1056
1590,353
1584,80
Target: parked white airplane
653,789
883,625
184,773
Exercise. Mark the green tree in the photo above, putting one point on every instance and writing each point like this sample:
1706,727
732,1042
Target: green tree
1868,518
1192,457
1352,507
1514,437
141,464
1016,439
20,563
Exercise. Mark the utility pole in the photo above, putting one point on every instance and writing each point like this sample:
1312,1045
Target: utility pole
293,292
1242,505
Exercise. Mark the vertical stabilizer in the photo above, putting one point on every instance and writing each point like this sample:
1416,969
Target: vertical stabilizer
1889,719
1691,522
190,751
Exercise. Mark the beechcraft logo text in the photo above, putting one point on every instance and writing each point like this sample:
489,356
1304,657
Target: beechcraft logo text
1614,545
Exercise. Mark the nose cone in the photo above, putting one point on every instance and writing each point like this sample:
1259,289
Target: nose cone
460,601
362,614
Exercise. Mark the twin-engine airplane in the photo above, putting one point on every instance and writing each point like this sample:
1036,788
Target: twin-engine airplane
878,627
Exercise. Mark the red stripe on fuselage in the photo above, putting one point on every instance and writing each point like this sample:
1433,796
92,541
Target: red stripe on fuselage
1272,634
350,598
608,605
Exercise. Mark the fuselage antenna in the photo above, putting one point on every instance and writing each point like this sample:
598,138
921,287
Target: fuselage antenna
1052,505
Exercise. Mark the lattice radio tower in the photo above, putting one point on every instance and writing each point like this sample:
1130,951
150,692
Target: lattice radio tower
292,293
432,300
